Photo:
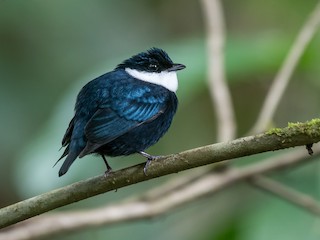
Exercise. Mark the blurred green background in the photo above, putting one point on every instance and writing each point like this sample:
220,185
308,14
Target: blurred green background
50,49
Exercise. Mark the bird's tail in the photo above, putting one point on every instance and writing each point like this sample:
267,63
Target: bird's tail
74,142
73,151
68,161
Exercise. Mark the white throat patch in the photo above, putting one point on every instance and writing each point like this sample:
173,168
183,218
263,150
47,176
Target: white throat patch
166,79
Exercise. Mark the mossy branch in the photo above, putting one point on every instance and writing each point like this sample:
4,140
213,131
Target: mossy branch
297,134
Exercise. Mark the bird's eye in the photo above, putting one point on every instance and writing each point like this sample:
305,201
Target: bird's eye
153,66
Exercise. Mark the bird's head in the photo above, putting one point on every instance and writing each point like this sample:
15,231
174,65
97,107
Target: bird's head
153,66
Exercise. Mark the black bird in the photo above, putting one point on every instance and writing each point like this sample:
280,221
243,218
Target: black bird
124,111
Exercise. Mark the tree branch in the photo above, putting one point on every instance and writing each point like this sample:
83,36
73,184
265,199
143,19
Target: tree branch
294,135
283,192
151,204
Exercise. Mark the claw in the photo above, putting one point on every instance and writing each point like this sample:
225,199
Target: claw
146,167
106,173
149,159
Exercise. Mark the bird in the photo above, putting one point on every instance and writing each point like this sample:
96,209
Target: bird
124,111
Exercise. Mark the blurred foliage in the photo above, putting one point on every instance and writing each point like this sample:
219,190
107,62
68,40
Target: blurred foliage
49,49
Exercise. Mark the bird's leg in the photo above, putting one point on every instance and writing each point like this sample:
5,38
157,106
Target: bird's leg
109,169
149,159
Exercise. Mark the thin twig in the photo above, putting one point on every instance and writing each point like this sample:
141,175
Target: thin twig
272,101
282,78
304,201
150,204
221,98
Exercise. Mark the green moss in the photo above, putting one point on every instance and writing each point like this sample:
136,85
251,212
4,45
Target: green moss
310,128
276,131
294,125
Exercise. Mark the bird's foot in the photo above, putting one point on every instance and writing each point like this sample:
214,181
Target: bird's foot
149,159
106,173
109,169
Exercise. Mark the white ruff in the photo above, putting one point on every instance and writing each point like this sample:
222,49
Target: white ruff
166,79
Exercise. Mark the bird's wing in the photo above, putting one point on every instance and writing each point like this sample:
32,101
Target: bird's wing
118,118
106,125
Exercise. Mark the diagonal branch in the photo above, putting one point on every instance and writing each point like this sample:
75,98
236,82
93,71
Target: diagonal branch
282,78
271,103
294,135
149,205
299,199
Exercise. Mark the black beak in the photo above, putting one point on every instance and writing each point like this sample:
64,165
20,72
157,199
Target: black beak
176,67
